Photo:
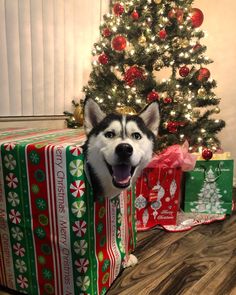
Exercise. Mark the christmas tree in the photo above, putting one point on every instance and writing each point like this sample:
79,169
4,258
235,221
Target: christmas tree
139,40
209,197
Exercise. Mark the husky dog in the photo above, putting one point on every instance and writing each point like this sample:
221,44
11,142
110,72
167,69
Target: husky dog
118,146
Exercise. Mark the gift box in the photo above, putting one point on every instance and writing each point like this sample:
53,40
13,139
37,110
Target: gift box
54,239
157,197
208,188
158,188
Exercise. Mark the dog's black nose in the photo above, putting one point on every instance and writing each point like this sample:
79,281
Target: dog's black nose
124,150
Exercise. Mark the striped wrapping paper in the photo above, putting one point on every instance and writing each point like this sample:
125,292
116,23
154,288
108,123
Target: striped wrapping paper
54,239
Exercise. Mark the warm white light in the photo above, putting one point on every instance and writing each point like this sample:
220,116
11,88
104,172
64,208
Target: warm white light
188,116
189,106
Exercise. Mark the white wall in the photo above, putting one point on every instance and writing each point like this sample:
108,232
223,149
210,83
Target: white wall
45,51
220,24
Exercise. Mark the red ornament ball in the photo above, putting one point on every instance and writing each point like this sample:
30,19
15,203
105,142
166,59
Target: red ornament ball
118,9
135,15
176,13
197,17
106,32
103,59
207,154
162,34
203,75
184,71
132,74
119,43
153,95
167,100
197,46
172,127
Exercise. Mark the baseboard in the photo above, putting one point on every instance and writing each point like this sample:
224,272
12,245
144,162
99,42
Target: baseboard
53,122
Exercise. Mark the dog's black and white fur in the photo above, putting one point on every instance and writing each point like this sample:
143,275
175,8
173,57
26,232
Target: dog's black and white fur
118,147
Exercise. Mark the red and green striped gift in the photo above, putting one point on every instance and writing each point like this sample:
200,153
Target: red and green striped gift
54,239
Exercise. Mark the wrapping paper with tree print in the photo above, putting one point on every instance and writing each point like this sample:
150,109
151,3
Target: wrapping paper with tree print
157,197
53,238
208,188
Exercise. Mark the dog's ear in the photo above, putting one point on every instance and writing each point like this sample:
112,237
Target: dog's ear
92,115
151,116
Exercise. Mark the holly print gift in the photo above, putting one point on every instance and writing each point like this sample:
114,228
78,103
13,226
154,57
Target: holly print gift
208,188
54,239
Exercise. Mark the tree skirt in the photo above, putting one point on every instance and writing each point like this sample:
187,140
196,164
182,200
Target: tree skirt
186,221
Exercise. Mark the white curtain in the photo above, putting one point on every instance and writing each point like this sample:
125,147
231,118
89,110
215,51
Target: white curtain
45,53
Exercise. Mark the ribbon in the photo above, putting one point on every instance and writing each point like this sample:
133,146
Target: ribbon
175,156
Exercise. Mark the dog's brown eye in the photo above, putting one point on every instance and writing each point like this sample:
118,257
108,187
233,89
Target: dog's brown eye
136,135
109,134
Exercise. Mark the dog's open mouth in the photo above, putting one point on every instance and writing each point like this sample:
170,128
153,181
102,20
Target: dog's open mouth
121,174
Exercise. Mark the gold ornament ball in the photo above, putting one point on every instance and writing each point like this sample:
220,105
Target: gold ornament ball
126,110
142,40
184,43
176,42
158,65
78,115
201,91
217,110
157,1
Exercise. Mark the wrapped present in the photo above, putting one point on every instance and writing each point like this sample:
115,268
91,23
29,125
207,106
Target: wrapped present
208,188
54,239
158,188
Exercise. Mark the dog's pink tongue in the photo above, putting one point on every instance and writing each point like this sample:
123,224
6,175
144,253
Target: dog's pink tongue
121,173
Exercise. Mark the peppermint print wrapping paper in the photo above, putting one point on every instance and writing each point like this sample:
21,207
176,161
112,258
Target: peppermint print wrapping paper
54,239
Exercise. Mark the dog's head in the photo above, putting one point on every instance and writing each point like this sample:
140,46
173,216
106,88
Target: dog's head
118,146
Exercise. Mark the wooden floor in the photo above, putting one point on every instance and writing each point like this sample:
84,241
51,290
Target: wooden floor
201,261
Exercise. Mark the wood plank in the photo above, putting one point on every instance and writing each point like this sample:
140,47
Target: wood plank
200,261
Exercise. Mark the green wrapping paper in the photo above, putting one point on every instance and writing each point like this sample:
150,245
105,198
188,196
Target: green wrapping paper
208,188
54,239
